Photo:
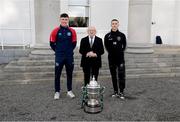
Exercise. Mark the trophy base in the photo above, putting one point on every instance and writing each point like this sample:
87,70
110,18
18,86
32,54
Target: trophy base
92,109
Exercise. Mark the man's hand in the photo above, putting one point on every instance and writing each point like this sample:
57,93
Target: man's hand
91,54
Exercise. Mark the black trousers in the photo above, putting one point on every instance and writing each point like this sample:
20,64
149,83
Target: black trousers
89,72
118,76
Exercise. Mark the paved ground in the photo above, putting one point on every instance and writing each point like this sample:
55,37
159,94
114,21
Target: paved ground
146,99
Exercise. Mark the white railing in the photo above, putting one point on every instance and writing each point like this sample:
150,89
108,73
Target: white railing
23,42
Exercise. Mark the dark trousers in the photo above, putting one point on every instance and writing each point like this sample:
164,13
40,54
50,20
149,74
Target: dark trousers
69,65
118,76
89,72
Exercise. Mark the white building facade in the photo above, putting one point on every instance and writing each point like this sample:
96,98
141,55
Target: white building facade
29,22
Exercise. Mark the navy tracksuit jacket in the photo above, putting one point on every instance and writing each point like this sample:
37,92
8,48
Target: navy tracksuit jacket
63,42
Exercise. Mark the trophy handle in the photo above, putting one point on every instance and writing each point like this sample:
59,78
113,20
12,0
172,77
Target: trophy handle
83,96
102,90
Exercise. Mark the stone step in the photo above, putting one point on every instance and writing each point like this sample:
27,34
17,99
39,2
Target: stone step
129,65
153,65
126,56
80,79
104,60
51,80
78,55
41,75
150,70
159,62
79,73
136,58
129,70
30,75
39,66
44,74
153,75
163,55
154,55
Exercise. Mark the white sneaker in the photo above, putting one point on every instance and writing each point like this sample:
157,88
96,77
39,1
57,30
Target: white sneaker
70,94
121,95
56,95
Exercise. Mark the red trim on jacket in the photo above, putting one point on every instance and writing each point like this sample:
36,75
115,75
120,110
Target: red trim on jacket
55,31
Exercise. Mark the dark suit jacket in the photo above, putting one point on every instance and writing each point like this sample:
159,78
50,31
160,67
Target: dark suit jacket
96,48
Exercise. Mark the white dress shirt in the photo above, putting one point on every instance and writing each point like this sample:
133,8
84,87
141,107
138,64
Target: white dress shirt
92,40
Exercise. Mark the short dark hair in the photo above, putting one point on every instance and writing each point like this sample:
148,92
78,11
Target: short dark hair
64,15
114,20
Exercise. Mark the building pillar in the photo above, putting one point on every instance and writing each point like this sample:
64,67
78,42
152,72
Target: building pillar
139,28
32,23
46,18
177,23
63,6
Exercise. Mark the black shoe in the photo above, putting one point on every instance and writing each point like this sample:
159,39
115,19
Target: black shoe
121,95
115,94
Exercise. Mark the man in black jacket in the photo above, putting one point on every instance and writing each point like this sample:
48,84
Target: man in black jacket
91,48
115,44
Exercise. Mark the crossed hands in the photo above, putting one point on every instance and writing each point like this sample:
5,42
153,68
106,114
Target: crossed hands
91,54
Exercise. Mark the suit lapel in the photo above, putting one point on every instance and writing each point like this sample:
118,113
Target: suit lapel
88,42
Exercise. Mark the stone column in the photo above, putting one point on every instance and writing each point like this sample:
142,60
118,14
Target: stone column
63,6
139,26
32,23
177,23
46,18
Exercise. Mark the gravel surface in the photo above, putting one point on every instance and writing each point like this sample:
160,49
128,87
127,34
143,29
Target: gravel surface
146,99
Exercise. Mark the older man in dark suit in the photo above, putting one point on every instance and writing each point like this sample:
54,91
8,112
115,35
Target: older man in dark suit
91,48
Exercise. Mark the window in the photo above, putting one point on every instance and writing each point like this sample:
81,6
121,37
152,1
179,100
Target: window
79,13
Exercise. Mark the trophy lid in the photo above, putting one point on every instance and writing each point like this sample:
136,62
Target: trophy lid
93,83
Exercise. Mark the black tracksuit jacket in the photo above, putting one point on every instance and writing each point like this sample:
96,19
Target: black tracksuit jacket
115,44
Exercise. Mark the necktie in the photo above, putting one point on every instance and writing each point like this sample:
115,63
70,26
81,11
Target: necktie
91,44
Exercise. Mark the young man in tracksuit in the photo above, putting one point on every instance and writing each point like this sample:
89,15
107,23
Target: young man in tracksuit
115,44
63,42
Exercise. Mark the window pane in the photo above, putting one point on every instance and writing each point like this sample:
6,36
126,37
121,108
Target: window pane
78,11
79,21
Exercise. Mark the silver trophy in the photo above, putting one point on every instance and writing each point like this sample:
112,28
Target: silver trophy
92,97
